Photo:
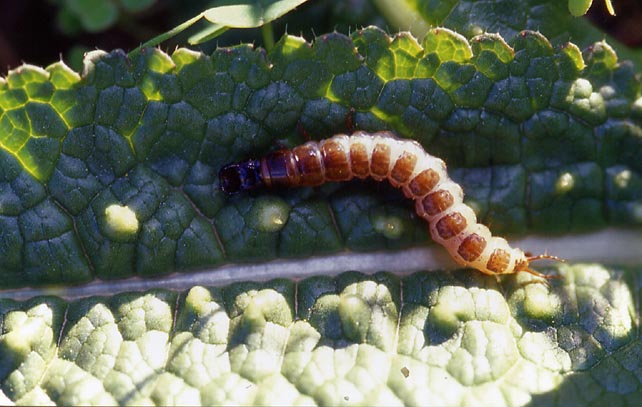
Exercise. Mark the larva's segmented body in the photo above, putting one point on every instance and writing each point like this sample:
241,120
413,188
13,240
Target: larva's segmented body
406,165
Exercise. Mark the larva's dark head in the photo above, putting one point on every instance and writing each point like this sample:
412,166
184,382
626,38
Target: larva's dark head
235,178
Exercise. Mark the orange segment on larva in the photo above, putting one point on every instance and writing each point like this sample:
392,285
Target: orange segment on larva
359,160
471,247
336,159
380,161
402,170
435,203
406,165
498,261
423,183
450,225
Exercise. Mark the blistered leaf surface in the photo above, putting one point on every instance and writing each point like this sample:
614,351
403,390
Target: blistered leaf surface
554,19
424,339
113,173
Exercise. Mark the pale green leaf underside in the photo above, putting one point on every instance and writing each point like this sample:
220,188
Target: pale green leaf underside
426,339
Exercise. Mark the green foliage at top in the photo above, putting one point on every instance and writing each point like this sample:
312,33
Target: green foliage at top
580,7
230,14
94,15
526,128
249,14
505,17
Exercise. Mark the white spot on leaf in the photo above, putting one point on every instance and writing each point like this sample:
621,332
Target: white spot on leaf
121,221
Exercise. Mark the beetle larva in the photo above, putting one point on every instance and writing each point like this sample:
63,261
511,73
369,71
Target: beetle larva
406,165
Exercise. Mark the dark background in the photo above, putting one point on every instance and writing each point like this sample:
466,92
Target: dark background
30,30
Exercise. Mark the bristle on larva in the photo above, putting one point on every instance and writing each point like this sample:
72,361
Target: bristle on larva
406,165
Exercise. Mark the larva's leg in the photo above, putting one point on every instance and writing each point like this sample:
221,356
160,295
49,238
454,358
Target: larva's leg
350,120
302,131
542,275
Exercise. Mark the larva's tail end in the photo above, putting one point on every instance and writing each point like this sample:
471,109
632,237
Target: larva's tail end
541,257
235,178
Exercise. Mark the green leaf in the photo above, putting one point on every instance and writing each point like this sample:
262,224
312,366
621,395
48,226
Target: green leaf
231,14
136,5
505,17
115,174
95,15
249,13
210,32
579,8
354,339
